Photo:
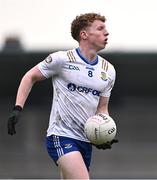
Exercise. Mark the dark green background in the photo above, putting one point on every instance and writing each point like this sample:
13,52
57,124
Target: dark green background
133,105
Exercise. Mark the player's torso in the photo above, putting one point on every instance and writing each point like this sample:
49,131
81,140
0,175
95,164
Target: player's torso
77,88
79,75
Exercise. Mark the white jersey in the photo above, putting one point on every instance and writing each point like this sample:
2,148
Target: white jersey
78,85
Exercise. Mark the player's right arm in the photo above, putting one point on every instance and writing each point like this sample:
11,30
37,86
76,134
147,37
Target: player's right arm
50,66
47,68
26,84
28,80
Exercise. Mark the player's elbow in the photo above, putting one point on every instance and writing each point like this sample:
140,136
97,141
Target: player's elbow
34,75
29,77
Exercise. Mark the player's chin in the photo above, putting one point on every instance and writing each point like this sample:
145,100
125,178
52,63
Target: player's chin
105,43
102,46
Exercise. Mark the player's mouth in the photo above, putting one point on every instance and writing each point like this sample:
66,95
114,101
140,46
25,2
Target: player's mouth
105,41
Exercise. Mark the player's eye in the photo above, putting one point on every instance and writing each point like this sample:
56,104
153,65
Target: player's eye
100,28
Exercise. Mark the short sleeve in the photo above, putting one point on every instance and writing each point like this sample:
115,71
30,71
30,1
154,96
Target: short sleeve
51,65
111,82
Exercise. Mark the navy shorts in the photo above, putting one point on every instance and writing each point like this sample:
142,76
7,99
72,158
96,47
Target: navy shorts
57,146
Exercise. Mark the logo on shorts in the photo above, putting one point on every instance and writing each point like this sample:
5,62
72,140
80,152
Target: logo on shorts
67,146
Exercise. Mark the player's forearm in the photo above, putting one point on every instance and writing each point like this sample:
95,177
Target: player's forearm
104,111
24,90
103,105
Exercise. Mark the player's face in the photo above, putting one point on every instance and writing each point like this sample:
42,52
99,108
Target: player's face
97,35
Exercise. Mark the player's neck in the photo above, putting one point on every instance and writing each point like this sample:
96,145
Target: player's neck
88,53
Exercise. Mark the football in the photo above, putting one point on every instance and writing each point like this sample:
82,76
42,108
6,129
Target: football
100,129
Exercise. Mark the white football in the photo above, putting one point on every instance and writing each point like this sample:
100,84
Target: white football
100,129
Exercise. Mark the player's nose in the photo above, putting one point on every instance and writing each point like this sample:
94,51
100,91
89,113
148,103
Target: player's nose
106,33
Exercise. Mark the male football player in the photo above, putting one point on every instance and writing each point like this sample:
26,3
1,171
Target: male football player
82,83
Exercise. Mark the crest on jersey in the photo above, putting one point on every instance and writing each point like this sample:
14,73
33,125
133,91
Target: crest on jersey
104,76
48,59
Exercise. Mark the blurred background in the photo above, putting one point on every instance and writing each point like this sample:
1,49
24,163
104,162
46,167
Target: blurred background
32,29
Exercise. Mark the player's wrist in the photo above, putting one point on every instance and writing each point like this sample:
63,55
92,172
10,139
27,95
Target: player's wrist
17,108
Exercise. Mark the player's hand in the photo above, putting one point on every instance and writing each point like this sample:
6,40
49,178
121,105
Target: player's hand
13,119
107,145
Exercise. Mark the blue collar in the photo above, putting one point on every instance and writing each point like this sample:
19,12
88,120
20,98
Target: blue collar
94,62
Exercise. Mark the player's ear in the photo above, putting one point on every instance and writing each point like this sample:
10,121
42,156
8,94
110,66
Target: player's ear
83,34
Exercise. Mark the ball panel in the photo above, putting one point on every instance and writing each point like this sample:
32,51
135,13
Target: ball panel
100,129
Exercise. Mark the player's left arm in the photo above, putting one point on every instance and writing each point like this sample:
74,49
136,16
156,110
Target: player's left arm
103,105
103,109
105,96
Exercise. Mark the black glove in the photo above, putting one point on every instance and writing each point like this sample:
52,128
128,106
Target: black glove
107,145
13,119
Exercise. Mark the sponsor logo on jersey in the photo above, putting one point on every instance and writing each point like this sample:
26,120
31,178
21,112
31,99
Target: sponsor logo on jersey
72,67
48,59
74,87
104,76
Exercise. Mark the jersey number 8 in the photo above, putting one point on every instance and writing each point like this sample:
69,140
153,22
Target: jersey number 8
90,73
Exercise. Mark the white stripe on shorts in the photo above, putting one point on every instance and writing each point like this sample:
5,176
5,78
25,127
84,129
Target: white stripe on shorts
57,145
